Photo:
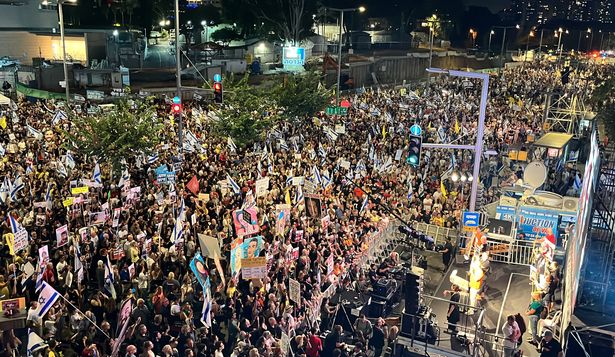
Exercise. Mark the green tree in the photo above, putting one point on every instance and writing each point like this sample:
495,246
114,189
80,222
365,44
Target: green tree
246,114
225,35
301,95
127,131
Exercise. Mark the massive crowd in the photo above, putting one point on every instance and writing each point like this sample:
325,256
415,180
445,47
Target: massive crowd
115,250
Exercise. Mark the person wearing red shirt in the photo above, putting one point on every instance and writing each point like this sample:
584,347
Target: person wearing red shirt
48,275
314,344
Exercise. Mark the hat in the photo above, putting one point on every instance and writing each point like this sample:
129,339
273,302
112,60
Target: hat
548,333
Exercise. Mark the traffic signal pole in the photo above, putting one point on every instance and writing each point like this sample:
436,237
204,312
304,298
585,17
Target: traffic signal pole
179,78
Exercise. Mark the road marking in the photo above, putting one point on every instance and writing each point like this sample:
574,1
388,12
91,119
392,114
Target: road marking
497,326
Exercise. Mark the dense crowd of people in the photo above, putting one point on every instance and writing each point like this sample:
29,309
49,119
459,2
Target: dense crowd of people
120,253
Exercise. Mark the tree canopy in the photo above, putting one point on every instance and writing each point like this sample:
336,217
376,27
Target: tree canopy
130,129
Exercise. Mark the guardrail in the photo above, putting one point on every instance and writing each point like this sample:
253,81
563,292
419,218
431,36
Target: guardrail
517,252
439,234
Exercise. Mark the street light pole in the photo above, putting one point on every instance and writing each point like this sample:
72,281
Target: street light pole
559,42
179,77
489,45
502,48
431,36
61,15
542,31
339,60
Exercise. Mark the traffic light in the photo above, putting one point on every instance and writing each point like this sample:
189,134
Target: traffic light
176,108
414,150
218,92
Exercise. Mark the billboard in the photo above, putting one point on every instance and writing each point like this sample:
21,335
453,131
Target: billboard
575,249
535,222
293,58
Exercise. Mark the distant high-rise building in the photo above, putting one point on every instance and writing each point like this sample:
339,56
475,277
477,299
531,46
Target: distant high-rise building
542,11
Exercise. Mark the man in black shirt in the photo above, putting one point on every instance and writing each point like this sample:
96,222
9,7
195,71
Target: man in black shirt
333,341
447,253
550,347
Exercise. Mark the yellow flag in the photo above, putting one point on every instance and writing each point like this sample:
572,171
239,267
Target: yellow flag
3,122
384,132
457,127
287,198
443,189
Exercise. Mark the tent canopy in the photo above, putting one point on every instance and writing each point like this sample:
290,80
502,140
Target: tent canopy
553,140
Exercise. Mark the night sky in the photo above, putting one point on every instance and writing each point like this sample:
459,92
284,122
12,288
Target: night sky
493,5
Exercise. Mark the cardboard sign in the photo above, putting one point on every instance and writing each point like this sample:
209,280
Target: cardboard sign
209,246
67,202
80,190
254,268
345,164
21,240
62,236
294,290
246,222
262,187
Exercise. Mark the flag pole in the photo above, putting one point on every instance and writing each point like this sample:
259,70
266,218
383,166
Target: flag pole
84,315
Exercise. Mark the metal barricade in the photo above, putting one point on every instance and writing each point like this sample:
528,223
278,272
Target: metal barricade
438,233
517,252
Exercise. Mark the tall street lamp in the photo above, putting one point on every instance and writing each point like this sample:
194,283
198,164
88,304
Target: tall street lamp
430,23
491,33
505,28
559,33
527,45
473,34
339,50
61,16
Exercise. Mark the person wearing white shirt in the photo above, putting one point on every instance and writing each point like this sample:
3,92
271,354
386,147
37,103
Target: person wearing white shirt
511,333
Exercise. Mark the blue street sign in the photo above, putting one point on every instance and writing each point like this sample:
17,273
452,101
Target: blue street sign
416,130
177,100
217,77
471,219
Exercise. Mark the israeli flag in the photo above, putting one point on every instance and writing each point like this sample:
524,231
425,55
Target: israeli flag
109,289
97,176
29,170
125,177
35,343
2,150
48,198
269,166
46,299
233,184
409,190
36,133
16,186
317,176
70,161
58,116
39,281
577,182
299,196
4,190
15,226
360,167
289,178
152,158
231,144
296,147
284,145
61,169
178,229
321,150
363,205
265,154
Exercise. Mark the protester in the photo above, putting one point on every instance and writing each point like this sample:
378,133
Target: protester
122,254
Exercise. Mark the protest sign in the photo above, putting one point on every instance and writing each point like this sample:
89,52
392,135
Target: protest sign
254,268
312,204
236,254
116,216
209,246
62,236
197,265
246,222
21,240
262,187
294,290
282,217
43,256
252,247
79,190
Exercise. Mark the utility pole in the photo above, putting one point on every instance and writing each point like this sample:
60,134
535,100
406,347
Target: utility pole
179,77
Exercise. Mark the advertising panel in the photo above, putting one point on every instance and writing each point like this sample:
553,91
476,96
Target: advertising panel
537,222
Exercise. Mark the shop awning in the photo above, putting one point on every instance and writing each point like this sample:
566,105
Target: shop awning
553,140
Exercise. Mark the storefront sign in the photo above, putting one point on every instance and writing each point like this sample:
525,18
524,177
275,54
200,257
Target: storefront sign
506,213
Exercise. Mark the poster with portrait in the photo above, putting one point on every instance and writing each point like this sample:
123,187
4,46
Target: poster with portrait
40,220
236,255
62,236
84,233
282,217
43,256
312,206
246,222
116,216
197,265
252,247
98,218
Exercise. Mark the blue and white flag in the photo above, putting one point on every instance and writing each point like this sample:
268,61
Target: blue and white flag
16,186
577,182
317,176
269,166
152,158
61,169
46,299
409,190
321,150
5,189
296,147
15,226
48,197
361,167
231,144
2,150
70,161
39,280
36,133
207,304
35,343
284,145
299,196
96,175
364,204
289,178
58,116
125,178
109,288
232,184
178,230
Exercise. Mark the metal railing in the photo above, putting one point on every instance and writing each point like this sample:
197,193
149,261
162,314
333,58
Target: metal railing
438,233
517,252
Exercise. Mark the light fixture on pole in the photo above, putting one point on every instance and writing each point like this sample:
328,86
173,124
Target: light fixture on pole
470,178
339,52
491,33
559,35
473,34
463,177
455,176
527,45
504,28
62,39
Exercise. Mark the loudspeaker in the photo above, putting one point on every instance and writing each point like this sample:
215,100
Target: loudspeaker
412,289
377,308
